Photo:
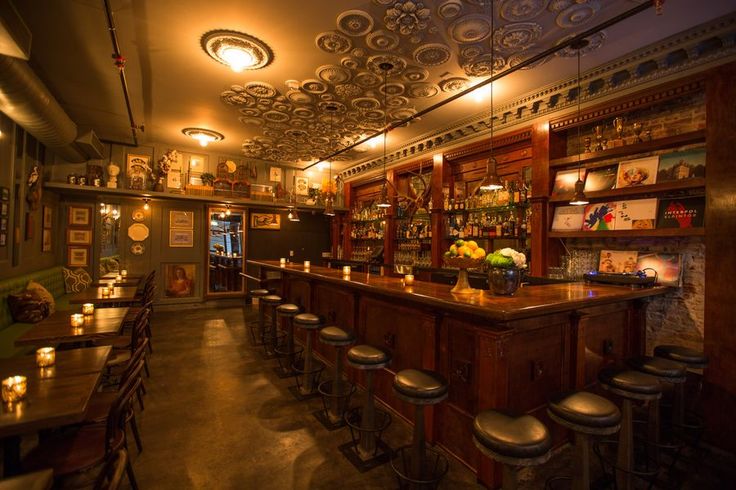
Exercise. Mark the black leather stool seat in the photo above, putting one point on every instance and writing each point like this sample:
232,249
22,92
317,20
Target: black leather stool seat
272,299
662,368
416,384
368,357
585,409
522,437
259,292
308,321
691,357
336,336
288,309
629,381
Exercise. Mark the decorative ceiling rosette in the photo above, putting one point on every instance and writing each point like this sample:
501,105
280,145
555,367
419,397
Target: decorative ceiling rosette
260,90
432,54
275,116
367,79
454,84
517,58
481,66
391,89
422,90
521,10
299,97
517,37
381,40
281,106
319,140
355,22
326,96
470,28
304,112
251,121
298,123
236,98
577,14
333,42
402,113
312,86
559,5
407,17
449,9
399,64
373,115
396,101
333,74
347,90
264,141
250,111
595,41
358,52
472,51
350,63
296,134
415,74
366,103
339,107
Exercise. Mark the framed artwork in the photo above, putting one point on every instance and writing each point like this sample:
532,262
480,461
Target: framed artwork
4,194
46,240
47,216
600,216
77,256
78,237
80,216
568,218
3,224
681,165
668,267
3,239
274,174
618,261
601,179
183,220
180,280
138,169
637,214
565,181
641,171
181,238
302,186
681,212
265,221
3,208
173,179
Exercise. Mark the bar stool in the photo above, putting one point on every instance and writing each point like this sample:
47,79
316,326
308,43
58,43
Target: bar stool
630,386
667,372
335,395
367,449
420,388
309,367
513,441
270,301
260,323
586,415
285,351
691,359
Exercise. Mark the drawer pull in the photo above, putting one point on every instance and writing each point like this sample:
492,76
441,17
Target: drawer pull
389,340
537,369
463,371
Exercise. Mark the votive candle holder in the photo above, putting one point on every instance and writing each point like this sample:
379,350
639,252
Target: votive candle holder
45,357
14,388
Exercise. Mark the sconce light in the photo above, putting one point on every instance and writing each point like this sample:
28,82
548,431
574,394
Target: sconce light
146,206
227,210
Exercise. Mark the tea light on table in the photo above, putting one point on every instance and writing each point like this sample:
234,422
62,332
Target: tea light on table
105,291
14,388
124,272
88,309
307,265
77,320
346,270
282,261
409,279
45,357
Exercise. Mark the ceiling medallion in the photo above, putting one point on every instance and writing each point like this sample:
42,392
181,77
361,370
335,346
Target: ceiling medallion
260,90
481,66
398,64
517,37
203,136
453,84
520,10
355,22
449,9
432,54
595,41
381,40
237,50
470,28
577,14
333,42
407,17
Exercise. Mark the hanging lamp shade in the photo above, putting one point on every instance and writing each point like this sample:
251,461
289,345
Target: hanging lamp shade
383,201
491,182
579,198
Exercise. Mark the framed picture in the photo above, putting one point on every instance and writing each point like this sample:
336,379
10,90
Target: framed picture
181,238
681,212
568,218
180,280
265,221
3,224
600,216
601,179
183,220
274,174
302,186
4,194
46,241
173,179
3,239
618,261
668,267
138,169
637,214
633,173
77,256
47,216
565,181
80,216
681,165
3,208
79,237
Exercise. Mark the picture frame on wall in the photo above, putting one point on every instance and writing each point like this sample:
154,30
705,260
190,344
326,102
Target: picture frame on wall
265,221
77,256
4,194
3,239
181,238
47,217
3,208
274,174
138,169
173,179
179,280
46,240
302,186
78,237
3,224
183,220
80,216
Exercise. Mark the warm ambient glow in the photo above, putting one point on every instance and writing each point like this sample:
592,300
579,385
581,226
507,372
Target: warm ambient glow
14,388
76,320
203,139
321,166
45,357
203,136
481,94
88,309
238,58
146,206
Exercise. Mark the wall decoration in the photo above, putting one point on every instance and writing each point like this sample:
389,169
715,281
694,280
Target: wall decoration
274,174
617,261
302,186
33,193
600,216
4,209
181,219
77,256
173,179
568,218
138,171
265,221
137,248
638,214
138,215
667,266
681,165
78,237
633,173
47,217
181,238
138,232
601,179
685,212
80,216
565,181
179,280
3,239
46,240
4,194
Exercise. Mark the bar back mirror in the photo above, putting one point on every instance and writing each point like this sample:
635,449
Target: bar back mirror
109,216
225,251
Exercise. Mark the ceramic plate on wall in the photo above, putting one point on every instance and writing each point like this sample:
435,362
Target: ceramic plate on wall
137,232
138,215
137,248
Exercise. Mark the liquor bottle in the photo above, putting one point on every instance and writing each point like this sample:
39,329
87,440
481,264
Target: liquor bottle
512,226
462,204
499,227
511,190
446,203
455,205
517,193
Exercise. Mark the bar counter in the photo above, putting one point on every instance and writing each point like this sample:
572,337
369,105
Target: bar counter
511,353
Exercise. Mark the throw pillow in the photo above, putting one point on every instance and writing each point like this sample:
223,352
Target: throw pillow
42,293
76,281
27,307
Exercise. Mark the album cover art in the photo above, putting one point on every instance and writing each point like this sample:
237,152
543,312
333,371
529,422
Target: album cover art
667,266
681,165
634,173
600,216
618,261
638,214
681,212
601,179
568,218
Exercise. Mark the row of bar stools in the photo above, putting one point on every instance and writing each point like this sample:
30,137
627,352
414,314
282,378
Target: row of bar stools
268,333
258,325
367,449
308,367
690,359
285,351
336,392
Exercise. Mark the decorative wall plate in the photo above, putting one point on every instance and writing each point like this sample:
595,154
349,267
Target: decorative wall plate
137,248
137,232
138,215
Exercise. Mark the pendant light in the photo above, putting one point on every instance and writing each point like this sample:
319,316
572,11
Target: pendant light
384,202
491,182
329,204
292,215
579,198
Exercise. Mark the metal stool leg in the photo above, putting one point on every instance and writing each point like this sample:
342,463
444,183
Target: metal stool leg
308,362
624,478
581,475
418,456
368,439
337,402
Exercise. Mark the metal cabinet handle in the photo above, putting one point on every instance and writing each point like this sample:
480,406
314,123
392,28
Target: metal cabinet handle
463,371
389,340
537,370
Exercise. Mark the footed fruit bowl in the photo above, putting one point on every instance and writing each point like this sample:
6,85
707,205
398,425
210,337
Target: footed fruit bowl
463,263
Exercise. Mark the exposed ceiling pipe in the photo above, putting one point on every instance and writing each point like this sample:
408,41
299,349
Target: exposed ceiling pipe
25,99
120,64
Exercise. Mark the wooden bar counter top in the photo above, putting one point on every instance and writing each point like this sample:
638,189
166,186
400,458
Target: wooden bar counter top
510,353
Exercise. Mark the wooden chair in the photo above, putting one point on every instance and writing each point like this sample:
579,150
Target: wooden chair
111,476
125,345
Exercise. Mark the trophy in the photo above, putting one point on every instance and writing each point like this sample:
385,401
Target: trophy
587,141
618,124
598,132
638,127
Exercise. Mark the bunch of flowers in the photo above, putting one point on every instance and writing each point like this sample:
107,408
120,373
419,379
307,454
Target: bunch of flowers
507,258
166,160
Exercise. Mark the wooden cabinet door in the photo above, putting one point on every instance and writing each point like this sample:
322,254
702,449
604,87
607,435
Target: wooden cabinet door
603,333
337,307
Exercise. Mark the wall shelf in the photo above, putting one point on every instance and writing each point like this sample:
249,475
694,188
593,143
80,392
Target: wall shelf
675,185
629,233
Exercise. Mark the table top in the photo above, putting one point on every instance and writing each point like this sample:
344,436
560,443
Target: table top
56,329
72,362
94,295
112,275
124,282
38,480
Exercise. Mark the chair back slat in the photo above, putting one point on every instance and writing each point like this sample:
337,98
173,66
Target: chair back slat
111,476
118,410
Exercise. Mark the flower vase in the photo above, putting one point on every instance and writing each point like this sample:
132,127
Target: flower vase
159,186
504,281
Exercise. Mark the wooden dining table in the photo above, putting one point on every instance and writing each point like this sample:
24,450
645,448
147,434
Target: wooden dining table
124,282
94,295
38,480
57,329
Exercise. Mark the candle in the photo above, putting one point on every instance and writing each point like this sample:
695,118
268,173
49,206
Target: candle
282,261
14,388
88,309
119,277
307,265
77,320
105,291
45,357
346,270
124,272
409,279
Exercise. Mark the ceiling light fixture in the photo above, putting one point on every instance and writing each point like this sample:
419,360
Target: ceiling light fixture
383,201
203,136
237,50
491,182
579,198
329,202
